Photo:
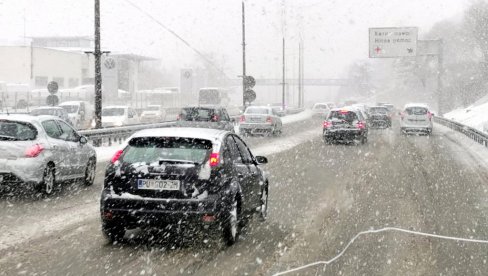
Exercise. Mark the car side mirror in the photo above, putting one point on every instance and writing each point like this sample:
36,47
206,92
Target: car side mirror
261,160
83,140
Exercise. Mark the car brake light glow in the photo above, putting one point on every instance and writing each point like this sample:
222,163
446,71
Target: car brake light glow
326,124
214,159
34,151
215,118
268,120
361,125
178,117
242,119
116,156
343,111
430,115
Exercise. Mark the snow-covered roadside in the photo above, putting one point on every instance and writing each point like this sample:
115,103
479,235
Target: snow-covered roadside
468,149
32,229
473,116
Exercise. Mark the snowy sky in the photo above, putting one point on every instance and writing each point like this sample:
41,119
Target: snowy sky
335,31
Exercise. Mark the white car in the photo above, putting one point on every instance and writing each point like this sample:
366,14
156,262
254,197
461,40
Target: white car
416,117
153,114
322,109
40,151
80,113
116,116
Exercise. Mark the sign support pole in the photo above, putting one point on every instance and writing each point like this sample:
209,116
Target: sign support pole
98,70
243,57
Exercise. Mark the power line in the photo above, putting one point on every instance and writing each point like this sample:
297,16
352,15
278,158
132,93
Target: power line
178,37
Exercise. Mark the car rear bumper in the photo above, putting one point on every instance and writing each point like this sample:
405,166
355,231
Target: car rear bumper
344,134
22,171
254,128
159,212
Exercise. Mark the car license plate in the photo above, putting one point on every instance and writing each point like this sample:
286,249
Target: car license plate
156,184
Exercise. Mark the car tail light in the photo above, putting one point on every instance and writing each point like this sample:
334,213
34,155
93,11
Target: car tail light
242,119
430,115
34,151
215,118
401,115
326,124
178,117
268,120
116,156
361,125
214,159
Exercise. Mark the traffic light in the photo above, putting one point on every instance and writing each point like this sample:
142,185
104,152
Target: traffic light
249,94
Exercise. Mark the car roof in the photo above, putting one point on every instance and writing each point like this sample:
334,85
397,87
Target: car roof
259,106
47,107
416,105
116,106
209,106
186,132
26,117
347,108
72,103
378,106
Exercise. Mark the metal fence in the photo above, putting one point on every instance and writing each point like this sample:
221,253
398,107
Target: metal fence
472,133
108,136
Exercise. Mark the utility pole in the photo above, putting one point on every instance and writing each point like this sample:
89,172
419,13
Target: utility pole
439,77
284,84
98,70
243,57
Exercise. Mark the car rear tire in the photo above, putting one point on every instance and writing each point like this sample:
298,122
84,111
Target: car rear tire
113,232
90,172
232,223
48,180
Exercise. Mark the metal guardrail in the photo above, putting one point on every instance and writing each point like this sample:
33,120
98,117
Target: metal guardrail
107,136
472,133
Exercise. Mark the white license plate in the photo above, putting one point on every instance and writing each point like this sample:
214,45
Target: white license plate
156,184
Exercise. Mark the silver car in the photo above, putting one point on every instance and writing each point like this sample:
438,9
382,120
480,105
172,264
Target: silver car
40,151
260,120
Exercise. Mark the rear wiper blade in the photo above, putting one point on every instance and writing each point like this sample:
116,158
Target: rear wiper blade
175,161
5,137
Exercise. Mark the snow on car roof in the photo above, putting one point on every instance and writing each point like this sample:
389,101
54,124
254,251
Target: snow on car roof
26,117
47,107
115,106
416,105
187,132
72,103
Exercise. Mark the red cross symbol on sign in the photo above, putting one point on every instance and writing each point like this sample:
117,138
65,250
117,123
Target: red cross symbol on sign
377,49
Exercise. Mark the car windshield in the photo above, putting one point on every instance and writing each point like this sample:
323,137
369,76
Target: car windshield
70,109
154,149
378,110
257,110
197,114
16,131
152,108
416,110
108,112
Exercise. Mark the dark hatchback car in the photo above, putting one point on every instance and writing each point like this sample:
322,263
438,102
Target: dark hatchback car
379,117
183,177
205,117
345,125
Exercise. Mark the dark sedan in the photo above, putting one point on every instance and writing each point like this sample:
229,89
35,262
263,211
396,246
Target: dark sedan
183,178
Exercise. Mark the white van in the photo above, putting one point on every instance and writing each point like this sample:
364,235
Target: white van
80,113
116,116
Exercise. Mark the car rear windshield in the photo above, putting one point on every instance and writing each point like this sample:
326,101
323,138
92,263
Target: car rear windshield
378,110
416,110
47,111
154,149
70,108
320,106
113,112
257,110
197,114
16,131
339,115
152,108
